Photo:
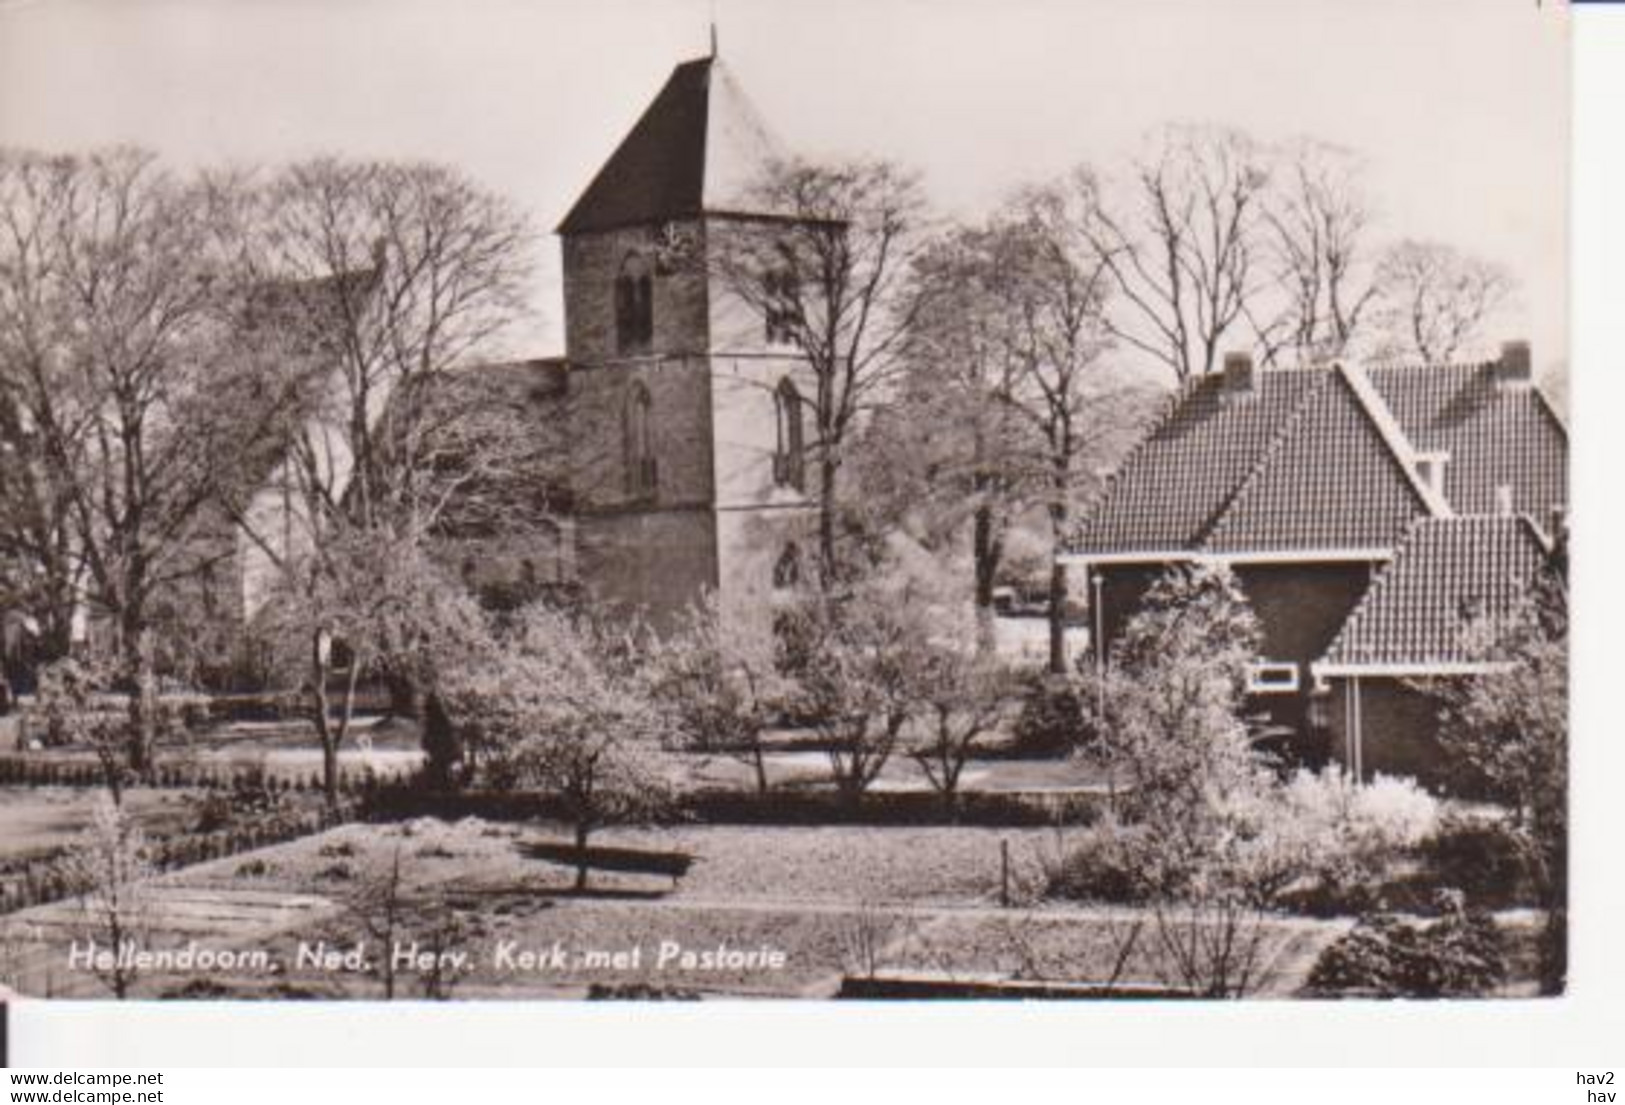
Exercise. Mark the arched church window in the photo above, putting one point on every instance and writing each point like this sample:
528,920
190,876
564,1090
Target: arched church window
641,473
634,305
787,569
789,455
781,300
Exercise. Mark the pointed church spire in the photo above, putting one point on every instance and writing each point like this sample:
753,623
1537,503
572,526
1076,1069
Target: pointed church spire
696,149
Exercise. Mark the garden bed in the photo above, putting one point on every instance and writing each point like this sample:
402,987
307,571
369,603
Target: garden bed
755,863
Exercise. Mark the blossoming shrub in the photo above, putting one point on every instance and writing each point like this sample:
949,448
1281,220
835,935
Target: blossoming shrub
1460,954
1345,835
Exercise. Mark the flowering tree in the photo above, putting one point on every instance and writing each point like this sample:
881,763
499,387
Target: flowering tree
855,658
1174,699
72,693
961,697
1195,785
564,707
113,875
720,684
383,610
1511,727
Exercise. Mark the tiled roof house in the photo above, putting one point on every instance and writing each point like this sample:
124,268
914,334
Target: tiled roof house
1371,514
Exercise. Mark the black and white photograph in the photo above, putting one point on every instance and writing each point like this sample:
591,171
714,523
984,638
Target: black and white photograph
691,501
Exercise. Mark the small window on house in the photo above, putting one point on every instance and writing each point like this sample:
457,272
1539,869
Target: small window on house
789,455
634,306
1272,678
341,655
781,300
787,570
209,590
641,473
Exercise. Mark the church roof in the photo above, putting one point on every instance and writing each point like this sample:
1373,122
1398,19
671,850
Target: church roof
695,149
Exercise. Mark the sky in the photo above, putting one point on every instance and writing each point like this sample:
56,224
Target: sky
1460,107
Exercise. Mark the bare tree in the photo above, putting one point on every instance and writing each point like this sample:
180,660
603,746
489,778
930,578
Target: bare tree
395,273
39,569
383,281
1052,284
1437,300
833,274
951,451
127,350
1319,276
1181,243
379,905
415,925
867,938
1210,940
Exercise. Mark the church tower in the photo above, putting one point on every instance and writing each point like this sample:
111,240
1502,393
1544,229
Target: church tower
688,422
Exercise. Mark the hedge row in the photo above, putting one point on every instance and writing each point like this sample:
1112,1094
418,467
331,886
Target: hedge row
778,807
34,771
43,880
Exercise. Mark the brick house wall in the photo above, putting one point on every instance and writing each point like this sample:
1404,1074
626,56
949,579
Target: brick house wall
1300,608
1398,724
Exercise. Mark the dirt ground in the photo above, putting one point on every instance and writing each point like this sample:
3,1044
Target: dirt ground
765,911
